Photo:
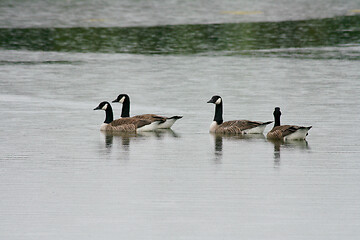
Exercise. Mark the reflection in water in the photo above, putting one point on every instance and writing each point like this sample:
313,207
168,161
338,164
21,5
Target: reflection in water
170,132
229,38
108,140
218,147
159,133
277,144
290,144
126,137
219,142
243,137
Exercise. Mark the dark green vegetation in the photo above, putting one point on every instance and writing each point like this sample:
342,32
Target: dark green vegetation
231,38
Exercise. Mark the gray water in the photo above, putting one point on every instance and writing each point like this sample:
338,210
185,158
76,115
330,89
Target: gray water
61,178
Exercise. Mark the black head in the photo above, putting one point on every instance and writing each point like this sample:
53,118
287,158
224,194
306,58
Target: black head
122,98
108,110
103,106
215,100
277,112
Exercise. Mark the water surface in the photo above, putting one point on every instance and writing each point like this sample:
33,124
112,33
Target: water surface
61,178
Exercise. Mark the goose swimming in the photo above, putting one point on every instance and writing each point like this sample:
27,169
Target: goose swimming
286,132
235,126
124,124
167,122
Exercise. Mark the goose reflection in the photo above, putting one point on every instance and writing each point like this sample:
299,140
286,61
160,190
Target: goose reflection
289,144
123,136
159,133
126,137
218,142
218,147
109,138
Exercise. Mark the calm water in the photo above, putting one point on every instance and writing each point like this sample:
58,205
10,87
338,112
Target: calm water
61,178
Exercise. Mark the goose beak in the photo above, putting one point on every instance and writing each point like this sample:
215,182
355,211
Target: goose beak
210,101
97,108
115,101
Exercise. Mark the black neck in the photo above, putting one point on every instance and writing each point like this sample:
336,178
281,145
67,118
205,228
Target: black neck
125,112
218,113
277,120
109,114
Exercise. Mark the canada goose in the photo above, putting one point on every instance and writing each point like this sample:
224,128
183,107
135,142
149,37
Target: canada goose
125,112
286,132
235,126
124,124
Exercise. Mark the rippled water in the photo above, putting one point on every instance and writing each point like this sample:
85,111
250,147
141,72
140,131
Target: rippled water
61,178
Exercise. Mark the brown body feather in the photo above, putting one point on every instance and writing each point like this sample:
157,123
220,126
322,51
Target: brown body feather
234,126
125,113
127,124
237,126
151,117
284,132
123,124
279,132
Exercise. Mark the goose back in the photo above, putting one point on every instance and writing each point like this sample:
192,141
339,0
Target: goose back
234,126
150,117
124,124
241,127
164,122
288,132
127,124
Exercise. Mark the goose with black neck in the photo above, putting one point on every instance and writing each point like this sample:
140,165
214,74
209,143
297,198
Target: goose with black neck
286,132
124,124
235,126
166,123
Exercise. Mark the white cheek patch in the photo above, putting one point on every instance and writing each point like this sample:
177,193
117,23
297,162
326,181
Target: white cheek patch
122,100
104,107
218,101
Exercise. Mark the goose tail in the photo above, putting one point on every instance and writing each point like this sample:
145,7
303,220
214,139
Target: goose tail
169,122
267,123
175,117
